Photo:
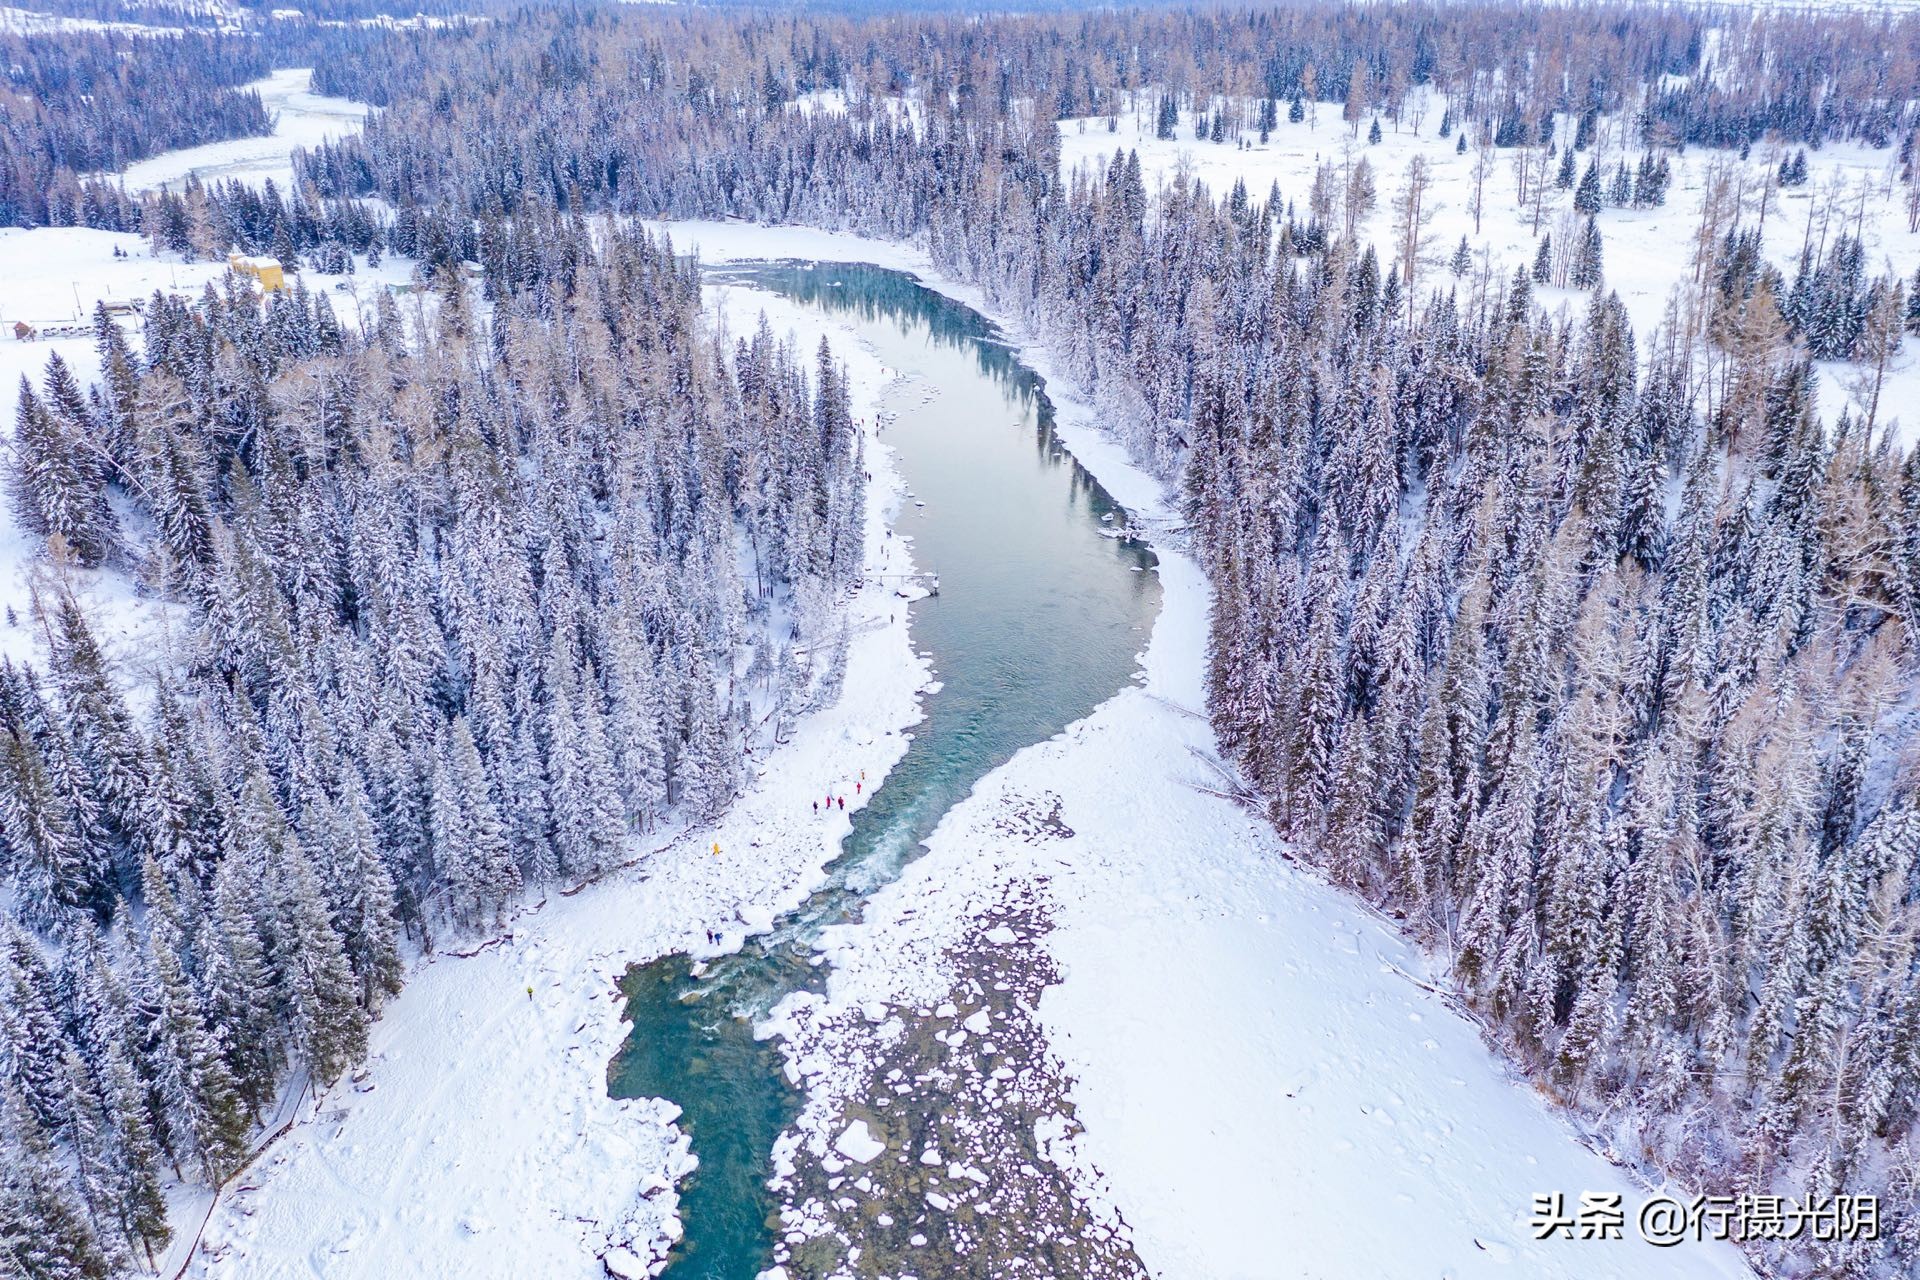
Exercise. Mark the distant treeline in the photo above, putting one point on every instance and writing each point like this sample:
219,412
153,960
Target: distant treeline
82,104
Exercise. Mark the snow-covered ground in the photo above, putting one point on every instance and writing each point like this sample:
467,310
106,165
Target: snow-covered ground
481,1141
27,22
1265,1077
302,118
1647,252
418,21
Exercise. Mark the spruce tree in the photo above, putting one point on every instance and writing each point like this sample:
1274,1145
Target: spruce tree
135,1189
206,1119
55,480
1586,196
363,898
1586,267
328,1026
44,1231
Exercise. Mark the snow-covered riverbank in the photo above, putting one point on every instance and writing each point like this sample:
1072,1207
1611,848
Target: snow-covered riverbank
1266,1080
301,118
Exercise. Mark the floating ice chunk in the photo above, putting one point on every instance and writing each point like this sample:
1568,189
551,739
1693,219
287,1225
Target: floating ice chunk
858,1143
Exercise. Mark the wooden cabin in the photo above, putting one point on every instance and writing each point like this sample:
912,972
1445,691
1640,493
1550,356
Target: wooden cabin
266,270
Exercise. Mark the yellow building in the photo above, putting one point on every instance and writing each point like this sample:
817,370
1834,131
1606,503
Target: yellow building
266,270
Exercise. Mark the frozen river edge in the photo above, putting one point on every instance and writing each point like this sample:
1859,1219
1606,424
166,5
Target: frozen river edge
1267,1082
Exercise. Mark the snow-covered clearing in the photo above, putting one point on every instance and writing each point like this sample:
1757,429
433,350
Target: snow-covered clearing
481,1141
832,102
302,118
1647,251
419,21
26,22
1268,1084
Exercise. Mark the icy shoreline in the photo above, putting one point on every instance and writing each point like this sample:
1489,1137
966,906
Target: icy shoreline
1246,1044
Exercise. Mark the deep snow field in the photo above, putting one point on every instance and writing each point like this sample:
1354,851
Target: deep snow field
1647,252
302,118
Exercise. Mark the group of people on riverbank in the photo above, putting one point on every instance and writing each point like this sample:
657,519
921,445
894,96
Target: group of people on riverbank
839,802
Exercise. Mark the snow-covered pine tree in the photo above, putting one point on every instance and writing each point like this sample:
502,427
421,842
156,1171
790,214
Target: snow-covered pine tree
54,476
44,1229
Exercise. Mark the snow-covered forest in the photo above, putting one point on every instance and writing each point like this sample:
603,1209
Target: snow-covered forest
1607,693
1588,654
464,607
78,105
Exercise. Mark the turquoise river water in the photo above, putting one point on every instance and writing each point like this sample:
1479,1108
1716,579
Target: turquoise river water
1043,608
